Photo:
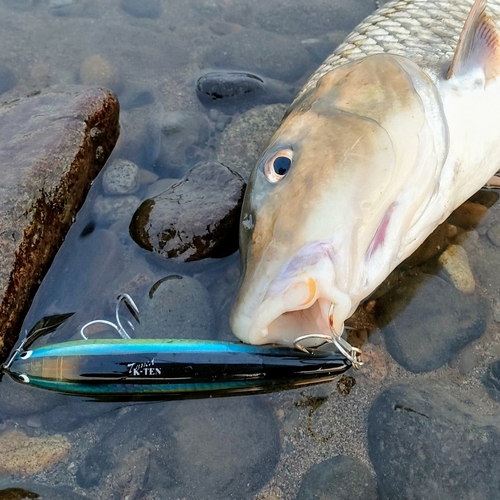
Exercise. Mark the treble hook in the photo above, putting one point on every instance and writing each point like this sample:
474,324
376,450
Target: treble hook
126,299
353,354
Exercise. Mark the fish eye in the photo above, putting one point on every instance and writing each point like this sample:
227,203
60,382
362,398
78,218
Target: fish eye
278,165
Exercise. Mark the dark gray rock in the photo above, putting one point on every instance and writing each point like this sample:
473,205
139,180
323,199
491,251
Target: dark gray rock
208,449
431,440
143,8
341,478
426,321
178,307
491,380
237,89
194,219
262,52
7,79
181,139
306,17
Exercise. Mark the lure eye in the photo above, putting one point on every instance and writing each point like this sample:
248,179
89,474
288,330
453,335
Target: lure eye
278,165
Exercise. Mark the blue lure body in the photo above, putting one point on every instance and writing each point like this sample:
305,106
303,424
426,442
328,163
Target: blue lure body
126,369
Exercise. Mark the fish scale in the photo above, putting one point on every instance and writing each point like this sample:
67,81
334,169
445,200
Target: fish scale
424,31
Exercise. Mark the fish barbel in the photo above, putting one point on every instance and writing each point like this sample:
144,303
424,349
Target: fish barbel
397,128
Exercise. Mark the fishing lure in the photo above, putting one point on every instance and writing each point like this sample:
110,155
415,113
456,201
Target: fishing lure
127,368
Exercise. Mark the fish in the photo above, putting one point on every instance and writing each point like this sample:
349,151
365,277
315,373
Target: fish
152,369
396,129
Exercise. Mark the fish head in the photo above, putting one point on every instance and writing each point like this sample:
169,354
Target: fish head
317,223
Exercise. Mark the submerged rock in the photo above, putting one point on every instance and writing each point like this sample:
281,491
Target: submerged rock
431,440
243,140
426,321
341,478
235,88
21,454
210,449
51,148
196,218
121,177
259,51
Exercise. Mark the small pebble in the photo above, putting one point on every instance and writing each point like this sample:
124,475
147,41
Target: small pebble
454,260
121,177
97,70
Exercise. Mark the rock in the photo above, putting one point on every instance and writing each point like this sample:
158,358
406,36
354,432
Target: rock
233,88
208,449
432,440
178,307
112,208
426,321
195,218
468,215
96,70
455,262
7,79
145,8
181,139
259,51
306,17
491,380
21,454
244,139
74,8
341,478
50,152
120,177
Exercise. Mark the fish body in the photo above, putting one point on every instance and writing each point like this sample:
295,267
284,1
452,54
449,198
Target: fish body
126,369
396,129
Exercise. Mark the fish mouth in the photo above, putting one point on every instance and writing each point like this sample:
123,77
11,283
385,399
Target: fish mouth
300,308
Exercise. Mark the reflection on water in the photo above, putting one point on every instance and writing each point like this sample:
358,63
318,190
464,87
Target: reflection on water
151,54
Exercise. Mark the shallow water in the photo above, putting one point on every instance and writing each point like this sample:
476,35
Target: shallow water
248,447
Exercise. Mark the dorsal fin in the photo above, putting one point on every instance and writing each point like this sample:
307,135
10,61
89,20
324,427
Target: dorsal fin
478,45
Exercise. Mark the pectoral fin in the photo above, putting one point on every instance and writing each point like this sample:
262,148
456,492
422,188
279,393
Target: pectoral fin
478,45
